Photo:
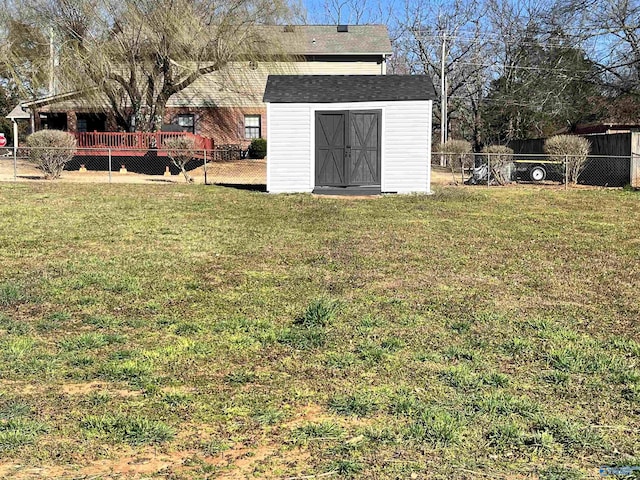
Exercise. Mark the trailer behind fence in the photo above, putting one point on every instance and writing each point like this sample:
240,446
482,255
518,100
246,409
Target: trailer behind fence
493,169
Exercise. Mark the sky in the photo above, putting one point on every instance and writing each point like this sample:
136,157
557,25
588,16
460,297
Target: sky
367,11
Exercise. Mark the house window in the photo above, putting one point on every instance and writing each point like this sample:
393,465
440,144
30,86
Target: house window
252,126
186,122
91,122
53,121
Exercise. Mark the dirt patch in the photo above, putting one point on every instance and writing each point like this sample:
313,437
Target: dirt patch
308,414
146,462
243,461
243,172
442,176
90,387
388,285
238,462
25,388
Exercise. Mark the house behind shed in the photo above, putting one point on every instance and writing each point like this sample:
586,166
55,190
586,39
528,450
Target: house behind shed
350,134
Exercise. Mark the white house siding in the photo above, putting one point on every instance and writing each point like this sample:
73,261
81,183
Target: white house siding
288,146
372,67
406,145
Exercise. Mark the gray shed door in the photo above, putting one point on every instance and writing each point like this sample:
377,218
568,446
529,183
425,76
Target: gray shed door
348,146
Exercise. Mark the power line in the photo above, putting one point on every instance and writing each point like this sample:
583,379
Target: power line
484,32
521,67
512,39
499,101
515,42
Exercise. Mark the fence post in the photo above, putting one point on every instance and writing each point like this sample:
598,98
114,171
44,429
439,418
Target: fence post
566,172
109,165
205,166
488,170
15,163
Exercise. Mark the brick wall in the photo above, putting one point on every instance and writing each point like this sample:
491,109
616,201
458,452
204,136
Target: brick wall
224,124
72,122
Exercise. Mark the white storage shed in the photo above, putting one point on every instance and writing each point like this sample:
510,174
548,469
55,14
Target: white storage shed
349,134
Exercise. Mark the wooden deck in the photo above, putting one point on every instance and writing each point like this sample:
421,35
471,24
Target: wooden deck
136,144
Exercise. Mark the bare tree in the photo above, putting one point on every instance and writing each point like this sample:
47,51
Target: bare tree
27,48
131,56
344,11
454,29
575,151
353,12
181,151
610,32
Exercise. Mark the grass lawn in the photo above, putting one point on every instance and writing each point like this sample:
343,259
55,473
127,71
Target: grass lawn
202,332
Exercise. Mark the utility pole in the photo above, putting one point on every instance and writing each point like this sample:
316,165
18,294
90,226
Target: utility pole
443,98
52,64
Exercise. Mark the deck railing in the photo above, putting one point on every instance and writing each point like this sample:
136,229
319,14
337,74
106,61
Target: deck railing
136,140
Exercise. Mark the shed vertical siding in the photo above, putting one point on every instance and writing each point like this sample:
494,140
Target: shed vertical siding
406,144
289,148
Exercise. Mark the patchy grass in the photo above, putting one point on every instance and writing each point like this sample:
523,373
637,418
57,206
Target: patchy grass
132,430
322,431
471,333
10,294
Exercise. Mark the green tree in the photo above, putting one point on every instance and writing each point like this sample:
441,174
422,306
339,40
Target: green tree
548,89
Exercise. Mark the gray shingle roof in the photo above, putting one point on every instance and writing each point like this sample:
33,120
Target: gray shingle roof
326,40
347,88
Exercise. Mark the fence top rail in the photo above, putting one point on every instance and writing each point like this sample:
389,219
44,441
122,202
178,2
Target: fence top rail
197,148
134,133
532,156
9,150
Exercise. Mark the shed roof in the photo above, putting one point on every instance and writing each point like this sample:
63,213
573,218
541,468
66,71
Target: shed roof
347,88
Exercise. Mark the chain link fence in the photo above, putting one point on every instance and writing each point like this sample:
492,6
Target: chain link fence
226,165
500,169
